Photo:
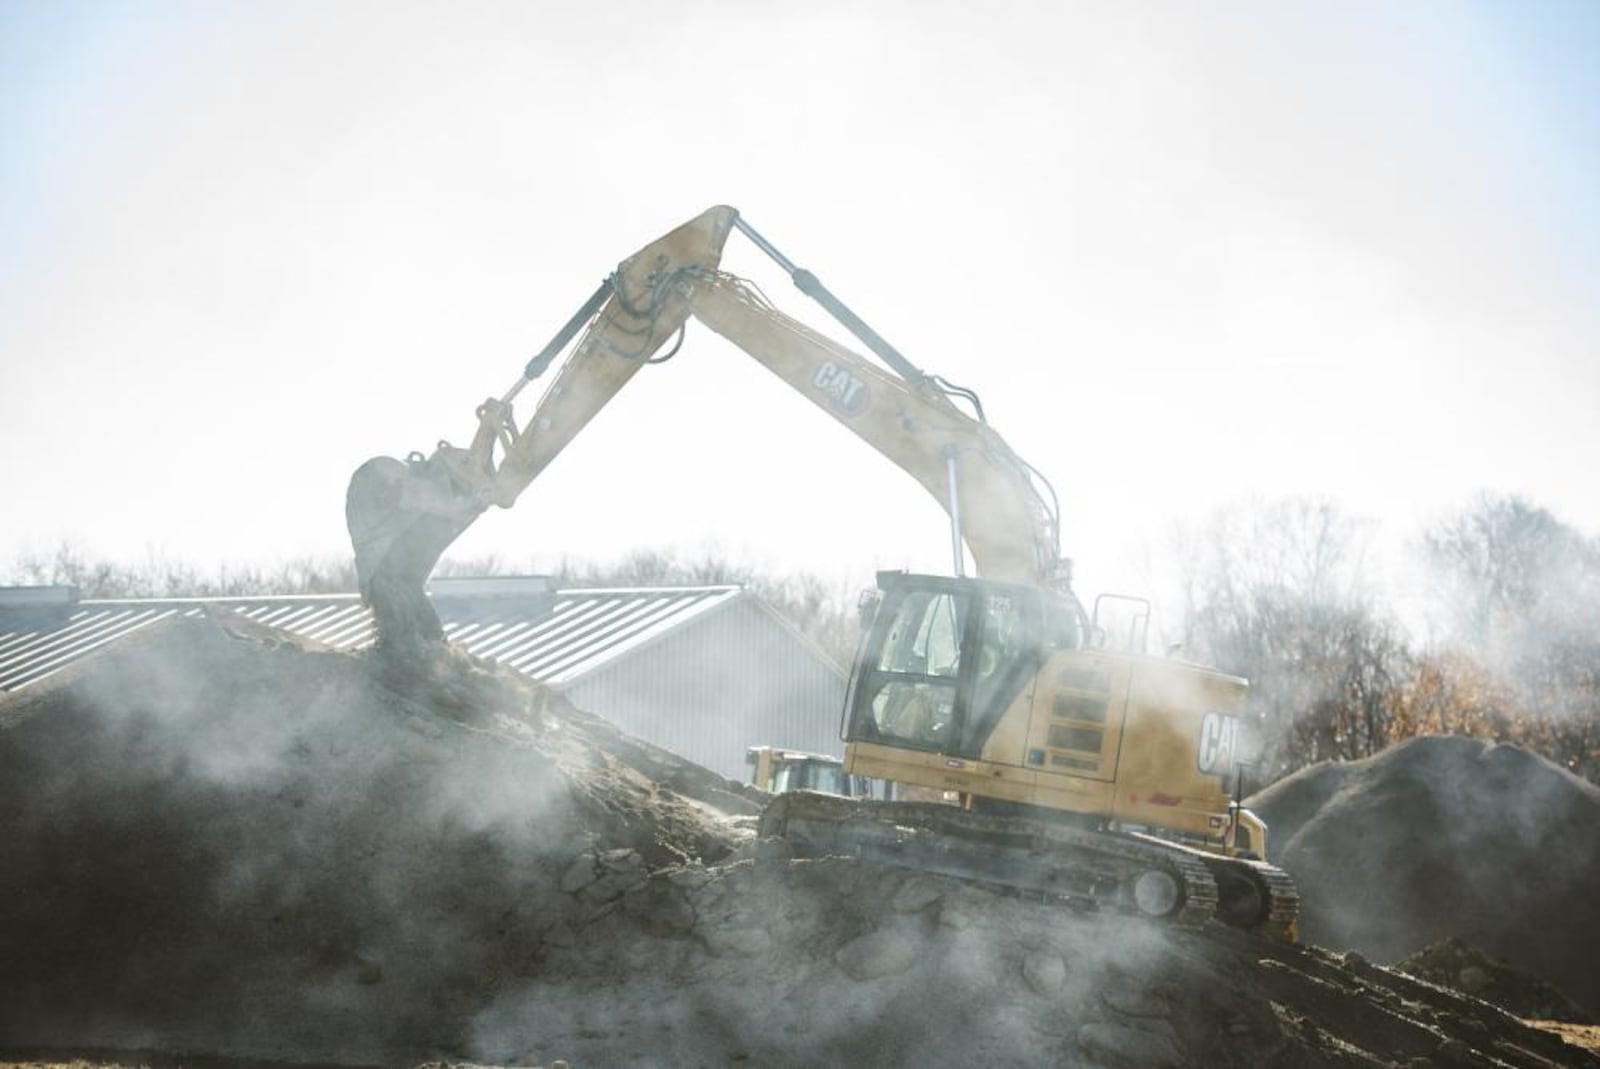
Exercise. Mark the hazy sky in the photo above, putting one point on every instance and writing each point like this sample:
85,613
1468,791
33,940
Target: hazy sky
1186,252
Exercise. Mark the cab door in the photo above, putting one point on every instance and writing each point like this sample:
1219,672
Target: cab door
910,689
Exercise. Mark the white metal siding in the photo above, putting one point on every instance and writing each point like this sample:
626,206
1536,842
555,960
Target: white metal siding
733,679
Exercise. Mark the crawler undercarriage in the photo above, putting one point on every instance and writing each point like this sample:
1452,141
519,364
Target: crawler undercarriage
1052,859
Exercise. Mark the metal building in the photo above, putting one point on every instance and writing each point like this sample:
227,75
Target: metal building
702,671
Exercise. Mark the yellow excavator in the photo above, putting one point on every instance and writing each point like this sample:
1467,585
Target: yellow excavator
1086,769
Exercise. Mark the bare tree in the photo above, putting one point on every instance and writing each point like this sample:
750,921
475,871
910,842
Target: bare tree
1497,562
1521,594
1277,592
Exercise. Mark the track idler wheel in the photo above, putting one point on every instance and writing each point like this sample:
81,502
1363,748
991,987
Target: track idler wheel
1157,893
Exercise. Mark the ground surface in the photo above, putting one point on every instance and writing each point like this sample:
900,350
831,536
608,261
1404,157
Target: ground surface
230,846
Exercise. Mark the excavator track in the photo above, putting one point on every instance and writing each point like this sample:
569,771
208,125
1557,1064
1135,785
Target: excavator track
1059,862
1252,895
1277,913
1077,866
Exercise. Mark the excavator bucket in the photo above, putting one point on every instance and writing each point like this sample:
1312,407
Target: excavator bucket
397,544
403,514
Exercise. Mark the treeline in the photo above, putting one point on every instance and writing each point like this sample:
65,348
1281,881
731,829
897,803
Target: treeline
1502,639
162,577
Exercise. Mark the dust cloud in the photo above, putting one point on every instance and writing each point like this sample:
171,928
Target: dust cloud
224,843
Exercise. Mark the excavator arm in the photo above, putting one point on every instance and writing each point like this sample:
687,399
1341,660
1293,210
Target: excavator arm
960,460
402,515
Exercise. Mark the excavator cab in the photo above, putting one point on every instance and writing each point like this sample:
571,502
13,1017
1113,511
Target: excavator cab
945,658
1007,695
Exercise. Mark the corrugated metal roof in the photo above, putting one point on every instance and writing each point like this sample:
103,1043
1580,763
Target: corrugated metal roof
556,637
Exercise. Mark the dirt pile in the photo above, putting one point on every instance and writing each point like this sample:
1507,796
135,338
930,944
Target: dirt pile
215,833
1447,837
1452,963
221,843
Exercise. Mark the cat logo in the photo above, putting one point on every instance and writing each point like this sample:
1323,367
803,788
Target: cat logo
1218,735
844,391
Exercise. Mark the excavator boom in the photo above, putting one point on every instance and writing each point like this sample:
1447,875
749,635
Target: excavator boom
961,461
403,515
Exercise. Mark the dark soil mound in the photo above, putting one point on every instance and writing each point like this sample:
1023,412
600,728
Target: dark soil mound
211,832
1451,963
221,844
1448,837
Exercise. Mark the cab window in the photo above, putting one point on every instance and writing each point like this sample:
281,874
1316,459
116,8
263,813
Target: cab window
918,670
1006,658
925,636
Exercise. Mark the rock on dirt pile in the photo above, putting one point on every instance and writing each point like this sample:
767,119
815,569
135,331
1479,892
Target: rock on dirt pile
222,844
1447,837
